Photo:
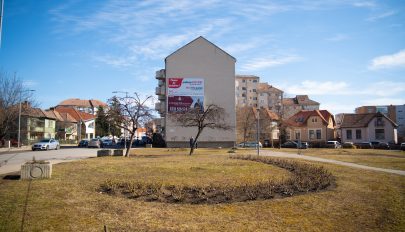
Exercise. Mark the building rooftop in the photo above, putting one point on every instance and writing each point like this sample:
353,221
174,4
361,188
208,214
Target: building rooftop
82,102
361,120
300,119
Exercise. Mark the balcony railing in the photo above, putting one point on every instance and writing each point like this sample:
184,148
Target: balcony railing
160,91
161,74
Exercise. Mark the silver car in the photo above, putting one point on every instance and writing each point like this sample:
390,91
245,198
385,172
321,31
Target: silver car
46,144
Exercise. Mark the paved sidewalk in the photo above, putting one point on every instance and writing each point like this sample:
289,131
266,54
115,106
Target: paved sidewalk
311,158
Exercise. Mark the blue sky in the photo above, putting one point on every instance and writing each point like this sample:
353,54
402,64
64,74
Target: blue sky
343,53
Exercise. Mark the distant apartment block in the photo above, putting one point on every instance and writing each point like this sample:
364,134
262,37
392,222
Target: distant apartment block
199,73
246,90
395,112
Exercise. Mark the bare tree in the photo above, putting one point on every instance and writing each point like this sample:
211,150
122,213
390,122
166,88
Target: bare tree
129,113
12,92
212,117
245,122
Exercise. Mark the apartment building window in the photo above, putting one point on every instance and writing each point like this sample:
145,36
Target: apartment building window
243,81
254,80
358,134
349,134
379,134
243,95
243,88
254,90
254,98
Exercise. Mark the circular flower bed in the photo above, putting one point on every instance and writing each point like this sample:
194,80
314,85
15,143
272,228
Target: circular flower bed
306,178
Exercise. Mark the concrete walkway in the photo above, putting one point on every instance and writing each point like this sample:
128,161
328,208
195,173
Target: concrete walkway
312,158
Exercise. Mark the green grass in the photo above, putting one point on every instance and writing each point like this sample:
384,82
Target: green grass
362,200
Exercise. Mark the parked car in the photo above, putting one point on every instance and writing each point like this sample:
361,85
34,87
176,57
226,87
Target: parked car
107,142
250,144
382,145
403,146
333,144
83,143
95,143
46,144
349,145
364,145
295,144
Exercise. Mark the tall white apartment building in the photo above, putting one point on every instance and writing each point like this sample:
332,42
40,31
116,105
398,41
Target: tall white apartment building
199,73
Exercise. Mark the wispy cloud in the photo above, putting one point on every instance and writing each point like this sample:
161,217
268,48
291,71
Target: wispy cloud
384,89
29,83
269,62
318,88
367,4
384,101
381,16
338,38
396,60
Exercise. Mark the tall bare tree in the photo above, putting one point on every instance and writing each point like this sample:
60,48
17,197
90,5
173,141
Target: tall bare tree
212,116
129,113
245,122
12,92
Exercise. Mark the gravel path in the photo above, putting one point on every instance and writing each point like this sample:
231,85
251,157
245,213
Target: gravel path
311,158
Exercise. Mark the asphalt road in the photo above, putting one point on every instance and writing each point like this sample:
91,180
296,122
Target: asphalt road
11,162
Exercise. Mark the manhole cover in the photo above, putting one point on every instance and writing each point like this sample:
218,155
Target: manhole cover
36,172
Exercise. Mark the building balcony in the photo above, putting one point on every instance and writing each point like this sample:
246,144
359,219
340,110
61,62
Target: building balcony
161,74
162,97
160,90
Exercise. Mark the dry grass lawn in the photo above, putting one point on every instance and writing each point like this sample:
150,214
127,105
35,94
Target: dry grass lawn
370,157
362,200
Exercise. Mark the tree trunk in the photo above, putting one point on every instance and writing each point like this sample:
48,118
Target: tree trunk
130,144
195,141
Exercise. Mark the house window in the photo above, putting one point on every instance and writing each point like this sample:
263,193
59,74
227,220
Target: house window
254,80
379,134
311,134
349,134
379,122
318,134
358,134
314,119
298,135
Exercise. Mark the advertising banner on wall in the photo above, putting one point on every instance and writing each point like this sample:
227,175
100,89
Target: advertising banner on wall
185,93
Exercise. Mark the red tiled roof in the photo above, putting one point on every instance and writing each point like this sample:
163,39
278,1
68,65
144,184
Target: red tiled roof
77,115
299,100
82,103
361,120
300,119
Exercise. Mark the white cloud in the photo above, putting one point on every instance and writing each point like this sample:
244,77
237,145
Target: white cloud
318,88
118,62
338,38
29,83
269,62
366,4
338,107
384,101
384,89
381,16
396,60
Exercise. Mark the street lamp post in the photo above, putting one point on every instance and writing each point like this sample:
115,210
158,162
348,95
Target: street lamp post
125,131
258,133
19,116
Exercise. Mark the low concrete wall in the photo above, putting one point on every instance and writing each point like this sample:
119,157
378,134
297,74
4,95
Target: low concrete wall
104,152
36,170
215,144
118,152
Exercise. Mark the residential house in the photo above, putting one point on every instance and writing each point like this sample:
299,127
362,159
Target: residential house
84,121
66,125
395,112
367,127
82,105
36,124
314,126
293,105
